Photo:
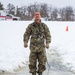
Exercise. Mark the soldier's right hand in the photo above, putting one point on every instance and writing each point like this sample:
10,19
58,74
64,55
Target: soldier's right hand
25,45
47,46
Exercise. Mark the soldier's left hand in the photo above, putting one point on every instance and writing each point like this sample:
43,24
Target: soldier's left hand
25,45
47,46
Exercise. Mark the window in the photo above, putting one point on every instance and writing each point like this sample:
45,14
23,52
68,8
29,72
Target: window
9,16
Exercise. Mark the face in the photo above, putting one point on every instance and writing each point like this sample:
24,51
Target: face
37,16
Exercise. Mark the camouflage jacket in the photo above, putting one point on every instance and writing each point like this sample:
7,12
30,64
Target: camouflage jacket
39,34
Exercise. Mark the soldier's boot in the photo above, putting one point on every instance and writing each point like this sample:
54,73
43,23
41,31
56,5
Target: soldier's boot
40,73
34,73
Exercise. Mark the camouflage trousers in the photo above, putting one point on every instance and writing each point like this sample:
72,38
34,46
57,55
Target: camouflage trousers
37,61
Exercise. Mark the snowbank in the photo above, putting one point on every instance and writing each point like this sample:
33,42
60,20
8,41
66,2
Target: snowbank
13,54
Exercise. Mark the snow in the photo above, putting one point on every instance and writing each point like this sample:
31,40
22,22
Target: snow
13,54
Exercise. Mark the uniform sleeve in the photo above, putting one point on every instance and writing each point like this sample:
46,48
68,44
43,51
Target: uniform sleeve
27,34
47,35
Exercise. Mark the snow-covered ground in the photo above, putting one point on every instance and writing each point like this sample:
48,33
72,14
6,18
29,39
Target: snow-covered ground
13,55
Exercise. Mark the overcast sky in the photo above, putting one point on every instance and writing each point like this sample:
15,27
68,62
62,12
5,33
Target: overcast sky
57,3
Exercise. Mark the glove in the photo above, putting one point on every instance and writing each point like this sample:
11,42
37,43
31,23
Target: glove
47,46
25,45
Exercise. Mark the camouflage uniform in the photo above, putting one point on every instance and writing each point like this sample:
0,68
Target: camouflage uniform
40,34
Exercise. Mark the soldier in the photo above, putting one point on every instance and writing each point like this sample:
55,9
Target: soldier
40,38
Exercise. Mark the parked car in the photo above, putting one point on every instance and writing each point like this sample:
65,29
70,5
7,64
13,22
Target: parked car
6,16
12,16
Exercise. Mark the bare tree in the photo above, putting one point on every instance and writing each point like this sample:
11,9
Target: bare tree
17,11
32,8
54,14
1,6
11,8
44,10
23,10
27,12
49,12
69,14
62,13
